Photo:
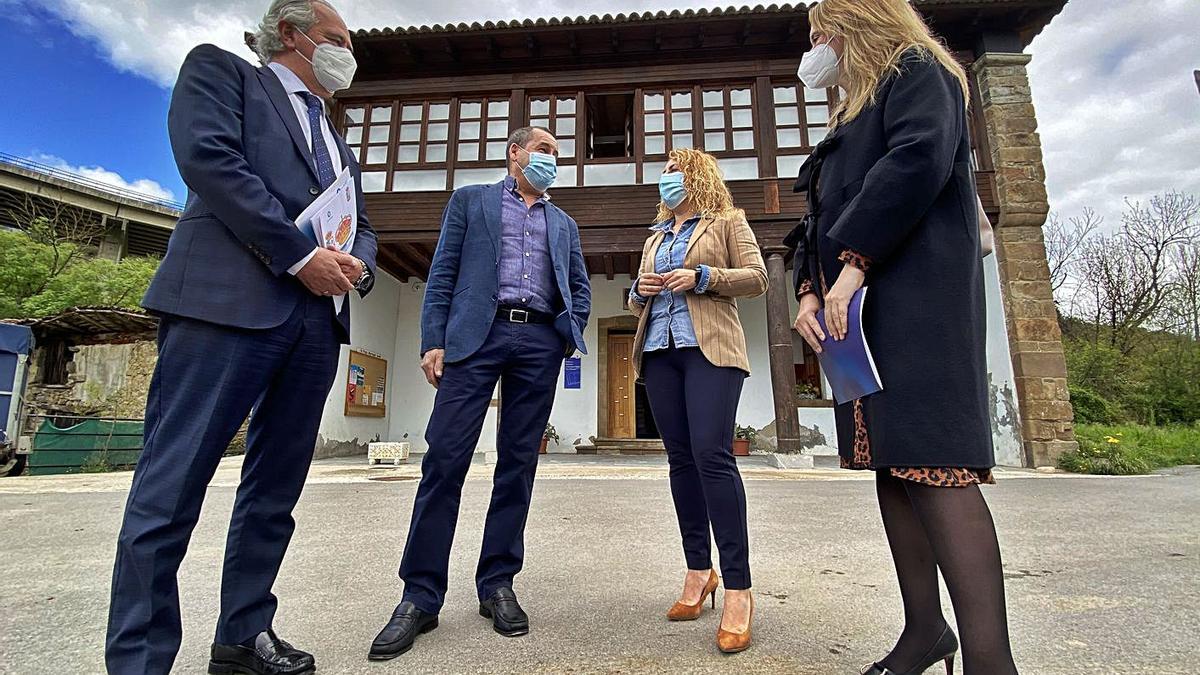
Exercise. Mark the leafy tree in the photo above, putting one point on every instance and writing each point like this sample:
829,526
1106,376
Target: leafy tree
34,282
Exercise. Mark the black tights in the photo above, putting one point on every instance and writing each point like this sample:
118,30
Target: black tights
949,528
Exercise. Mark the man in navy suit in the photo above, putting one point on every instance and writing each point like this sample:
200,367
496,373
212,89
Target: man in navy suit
248,321
508,299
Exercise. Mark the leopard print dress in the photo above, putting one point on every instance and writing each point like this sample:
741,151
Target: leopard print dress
861,457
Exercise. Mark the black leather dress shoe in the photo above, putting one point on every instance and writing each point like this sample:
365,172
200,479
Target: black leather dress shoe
402,629
505,612
268,656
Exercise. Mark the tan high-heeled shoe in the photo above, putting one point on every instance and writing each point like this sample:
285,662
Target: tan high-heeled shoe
684,612
731,643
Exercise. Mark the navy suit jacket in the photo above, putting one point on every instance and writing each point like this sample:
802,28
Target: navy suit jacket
464,279
249,172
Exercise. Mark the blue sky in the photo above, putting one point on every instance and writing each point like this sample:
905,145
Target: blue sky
1118,110
83,110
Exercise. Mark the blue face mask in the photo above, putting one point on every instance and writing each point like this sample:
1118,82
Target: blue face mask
671,189
541,170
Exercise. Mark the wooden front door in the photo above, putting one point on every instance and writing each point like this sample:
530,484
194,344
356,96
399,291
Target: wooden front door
622,411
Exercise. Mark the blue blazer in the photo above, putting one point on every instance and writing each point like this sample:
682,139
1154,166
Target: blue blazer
249,172
461,296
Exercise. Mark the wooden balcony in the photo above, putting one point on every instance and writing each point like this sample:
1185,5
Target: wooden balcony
612,221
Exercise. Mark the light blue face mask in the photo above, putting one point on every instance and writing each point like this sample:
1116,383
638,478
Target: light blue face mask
671,189
541,170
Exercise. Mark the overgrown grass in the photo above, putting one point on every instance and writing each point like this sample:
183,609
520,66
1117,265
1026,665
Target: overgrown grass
1130,449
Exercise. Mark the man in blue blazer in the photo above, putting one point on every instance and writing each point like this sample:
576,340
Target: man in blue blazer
507,300
248,320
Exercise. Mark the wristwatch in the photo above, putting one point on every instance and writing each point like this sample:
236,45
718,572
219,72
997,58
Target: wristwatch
363,276
699,275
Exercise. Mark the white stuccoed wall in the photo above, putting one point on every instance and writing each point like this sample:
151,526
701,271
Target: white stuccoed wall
575,410
373,328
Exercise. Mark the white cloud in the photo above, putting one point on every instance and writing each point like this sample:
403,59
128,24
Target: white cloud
1117,105
1112,81
143,186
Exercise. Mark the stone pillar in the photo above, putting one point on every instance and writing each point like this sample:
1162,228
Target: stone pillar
1035,342
779,338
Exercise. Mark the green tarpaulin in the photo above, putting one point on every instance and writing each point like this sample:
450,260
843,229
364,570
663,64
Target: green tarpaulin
95,443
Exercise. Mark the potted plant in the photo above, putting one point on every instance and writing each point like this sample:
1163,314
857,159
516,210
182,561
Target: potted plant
551,434
741,440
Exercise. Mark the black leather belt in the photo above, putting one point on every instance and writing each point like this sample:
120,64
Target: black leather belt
517,315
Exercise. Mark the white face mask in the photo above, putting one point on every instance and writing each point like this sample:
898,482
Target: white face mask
819,67
334,66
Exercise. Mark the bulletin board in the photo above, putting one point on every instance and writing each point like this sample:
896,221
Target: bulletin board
366,385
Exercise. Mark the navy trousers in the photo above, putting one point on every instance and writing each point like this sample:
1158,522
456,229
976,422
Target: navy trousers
207,380
526,360
695,405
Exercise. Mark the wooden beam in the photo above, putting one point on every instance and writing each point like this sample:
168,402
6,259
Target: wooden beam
783,370
417,253
635,261
389,262
608,267
413,260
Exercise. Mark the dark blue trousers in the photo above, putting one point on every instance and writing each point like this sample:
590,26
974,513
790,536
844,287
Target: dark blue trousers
207,380
695,406
526,360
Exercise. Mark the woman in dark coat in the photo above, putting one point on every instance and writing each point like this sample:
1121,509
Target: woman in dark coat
893,206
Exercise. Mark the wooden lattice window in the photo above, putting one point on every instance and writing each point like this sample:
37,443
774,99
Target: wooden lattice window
558,113
482,130
801,122
728,119
668,121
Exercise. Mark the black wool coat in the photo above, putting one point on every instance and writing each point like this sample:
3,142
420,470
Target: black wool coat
896,185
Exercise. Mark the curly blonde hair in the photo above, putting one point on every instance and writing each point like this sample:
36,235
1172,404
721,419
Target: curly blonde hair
875,34
704,184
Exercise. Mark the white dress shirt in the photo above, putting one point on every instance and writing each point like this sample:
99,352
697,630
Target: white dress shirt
294,86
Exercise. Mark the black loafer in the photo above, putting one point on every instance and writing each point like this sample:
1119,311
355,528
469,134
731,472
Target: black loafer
505,612
402,629
268,656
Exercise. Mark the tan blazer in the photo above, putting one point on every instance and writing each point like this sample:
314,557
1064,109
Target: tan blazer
728,246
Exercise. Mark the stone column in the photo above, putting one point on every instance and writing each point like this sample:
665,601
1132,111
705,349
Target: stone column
1035,342
779,338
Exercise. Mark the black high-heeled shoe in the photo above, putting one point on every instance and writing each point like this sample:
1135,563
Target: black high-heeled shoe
945,649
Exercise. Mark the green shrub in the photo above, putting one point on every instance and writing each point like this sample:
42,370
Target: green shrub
1092,408
1131,449
1102,458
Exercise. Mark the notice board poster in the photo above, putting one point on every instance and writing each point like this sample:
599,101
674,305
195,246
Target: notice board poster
572,373
366,385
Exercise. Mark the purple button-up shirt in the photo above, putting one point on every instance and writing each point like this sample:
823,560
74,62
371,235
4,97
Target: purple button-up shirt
526,271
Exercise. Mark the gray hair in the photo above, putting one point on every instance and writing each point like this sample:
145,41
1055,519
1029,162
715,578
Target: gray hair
523,135
300,13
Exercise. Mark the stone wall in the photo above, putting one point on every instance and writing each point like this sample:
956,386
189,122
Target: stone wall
1035,342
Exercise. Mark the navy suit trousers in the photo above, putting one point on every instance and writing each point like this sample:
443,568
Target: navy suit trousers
695,405
207,379
526,360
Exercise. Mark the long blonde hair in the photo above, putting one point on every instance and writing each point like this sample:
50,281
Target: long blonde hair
704,184
875,34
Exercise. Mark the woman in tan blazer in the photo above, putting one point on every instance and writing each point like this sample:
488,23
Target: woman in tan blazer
690,350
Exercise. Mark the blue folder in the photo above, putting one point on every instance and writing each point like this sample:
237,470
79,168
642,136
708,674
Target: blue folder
848,364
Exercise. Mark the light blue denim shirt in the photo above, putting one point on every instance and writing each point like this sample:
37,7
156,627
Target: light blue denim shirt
669,322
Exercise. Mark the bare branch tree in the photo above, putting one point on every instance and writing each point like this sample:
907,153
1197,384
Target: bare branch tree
1132,274
1184,304
1065,243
